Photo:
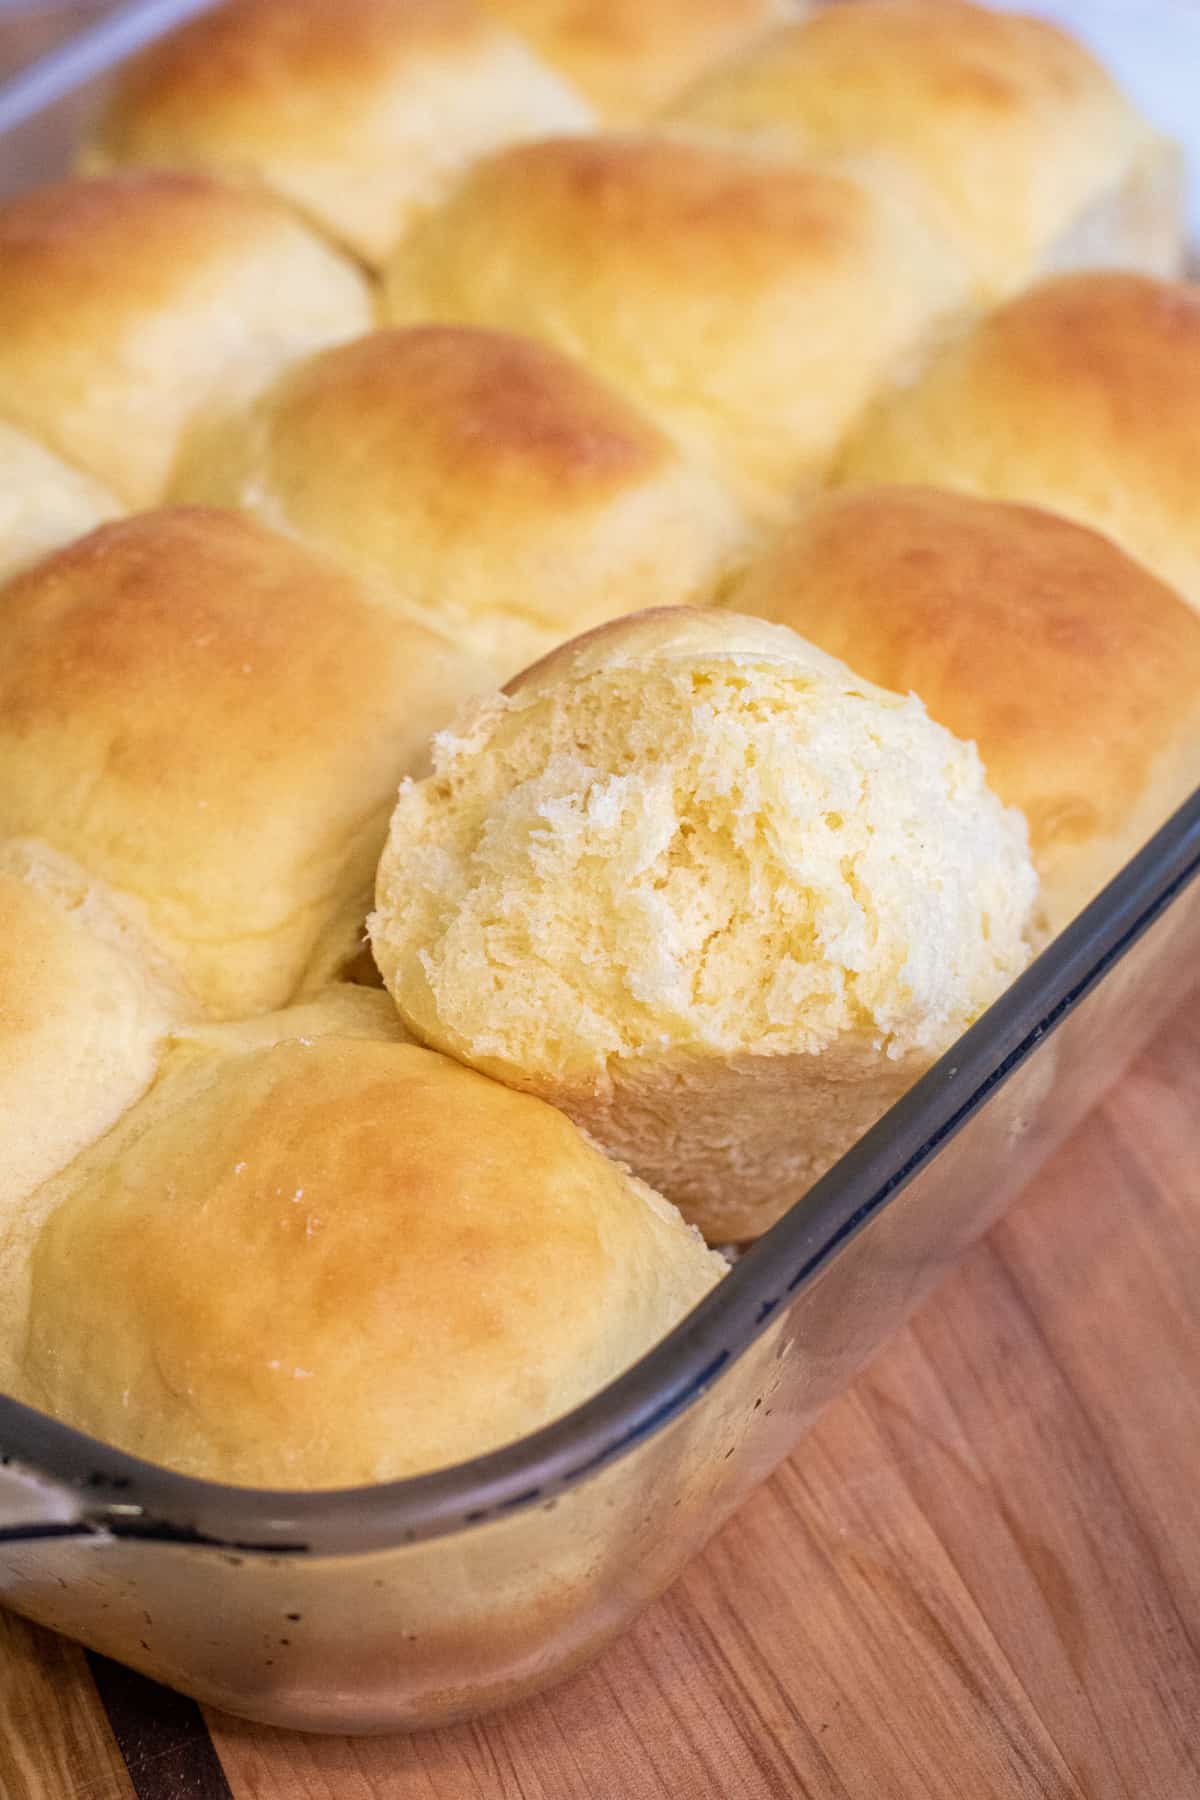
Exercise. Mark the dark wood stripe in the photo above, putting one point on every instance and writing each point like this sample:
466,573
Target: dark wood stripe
161,1736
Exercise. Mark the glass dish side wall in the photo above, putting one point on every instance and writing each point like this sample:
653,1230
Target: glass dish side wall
424,1633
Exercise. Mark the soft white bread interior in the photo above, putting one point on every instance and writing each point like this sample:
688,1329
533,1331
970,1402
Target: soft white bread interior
213,723
704,888
357,112
630,57
751,308
1027,152
1081,396
487,482
1074,671
331,1260
43,501
129,305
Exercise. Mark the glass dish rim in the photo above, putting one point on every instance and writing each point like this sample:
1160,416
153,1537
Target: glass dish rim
120,1495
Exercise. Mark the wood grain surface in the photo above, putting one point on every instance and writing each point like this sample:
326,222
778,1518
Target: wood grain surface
55,1738
977,1579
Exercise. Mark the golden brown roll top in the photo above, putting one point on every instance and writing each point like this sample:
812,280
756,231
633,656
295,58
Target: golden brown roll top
43,501
1074,671
749,307
213,723
630,57
486,481
128,306
358,112
710,892
332,1260
1081,396
1029,155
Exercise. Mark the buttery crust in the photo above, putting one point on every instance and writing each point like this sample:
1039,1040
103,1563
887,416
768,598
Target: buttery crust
749,307
1026,151
357,112
630,58
1073,670
1081,396
43,501
329,1260
213,723
129,305
82,1014
487,482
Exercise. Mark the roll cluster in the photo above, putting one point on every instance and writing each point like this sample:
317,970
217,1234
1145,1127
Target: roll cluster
580,591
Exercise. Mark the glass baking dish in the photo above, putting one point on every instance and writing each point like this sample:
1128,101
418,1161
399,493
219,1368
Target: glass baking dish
423,1601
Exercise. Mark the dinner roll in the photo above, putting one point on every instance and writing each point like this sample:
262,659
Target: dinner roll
81,1016
749,307
484,480
713,895
332,1261
81,1010
43,502
1082,396
84,1021
129,305
1076,673
630,57
357,112
1029,155
213,723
